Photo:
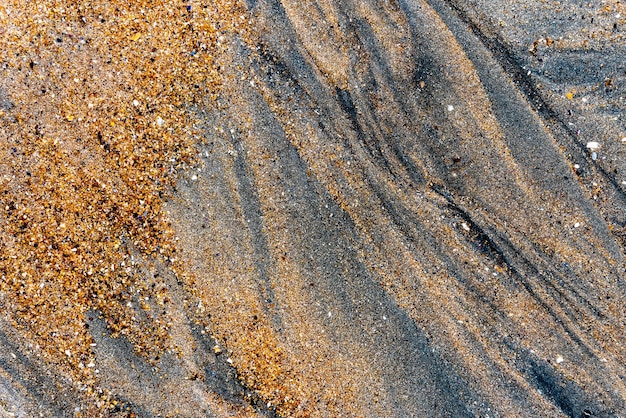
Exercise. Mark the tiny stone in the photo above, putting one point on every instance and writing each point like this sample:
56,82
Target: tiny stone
559,359
593,145
136,102
160,121
450,108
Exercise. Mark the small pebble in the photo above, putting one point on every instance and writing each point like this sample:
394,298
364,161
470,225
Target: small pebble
559,360
593,145
450,108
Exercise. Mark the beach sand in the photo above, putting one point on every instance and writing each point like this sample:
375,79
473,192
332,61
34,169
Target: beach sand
294,209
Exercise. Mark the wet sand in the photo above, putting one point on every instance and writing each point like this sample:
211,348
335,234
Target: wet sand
351,208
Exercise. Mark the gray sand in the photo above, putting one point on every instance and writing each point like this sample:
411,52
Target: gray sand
400,208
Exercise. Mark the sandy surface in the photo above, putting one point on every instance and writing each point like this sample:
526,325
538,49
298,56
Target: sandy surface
332,208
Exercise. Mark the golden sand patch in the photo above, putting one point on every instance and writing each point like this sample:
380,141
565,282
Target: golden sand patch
95,103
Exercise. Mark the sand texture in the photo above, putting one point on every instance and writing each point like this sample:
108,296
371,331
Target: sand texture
332,208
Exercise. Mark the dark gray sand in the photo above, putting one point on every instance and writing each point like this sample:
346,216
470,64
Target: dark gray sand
366,208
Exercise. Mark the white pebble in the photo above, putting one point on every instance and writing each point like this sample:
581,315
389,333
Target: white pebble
593,145
136,102
194,177
577,224
450,108
160,121
559,359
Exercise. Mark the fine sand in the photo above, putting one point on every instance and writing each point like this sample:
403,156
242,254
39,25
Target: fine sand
333,208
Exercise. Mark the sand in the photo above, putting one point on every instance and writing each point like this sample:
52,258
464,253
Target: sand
349,208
